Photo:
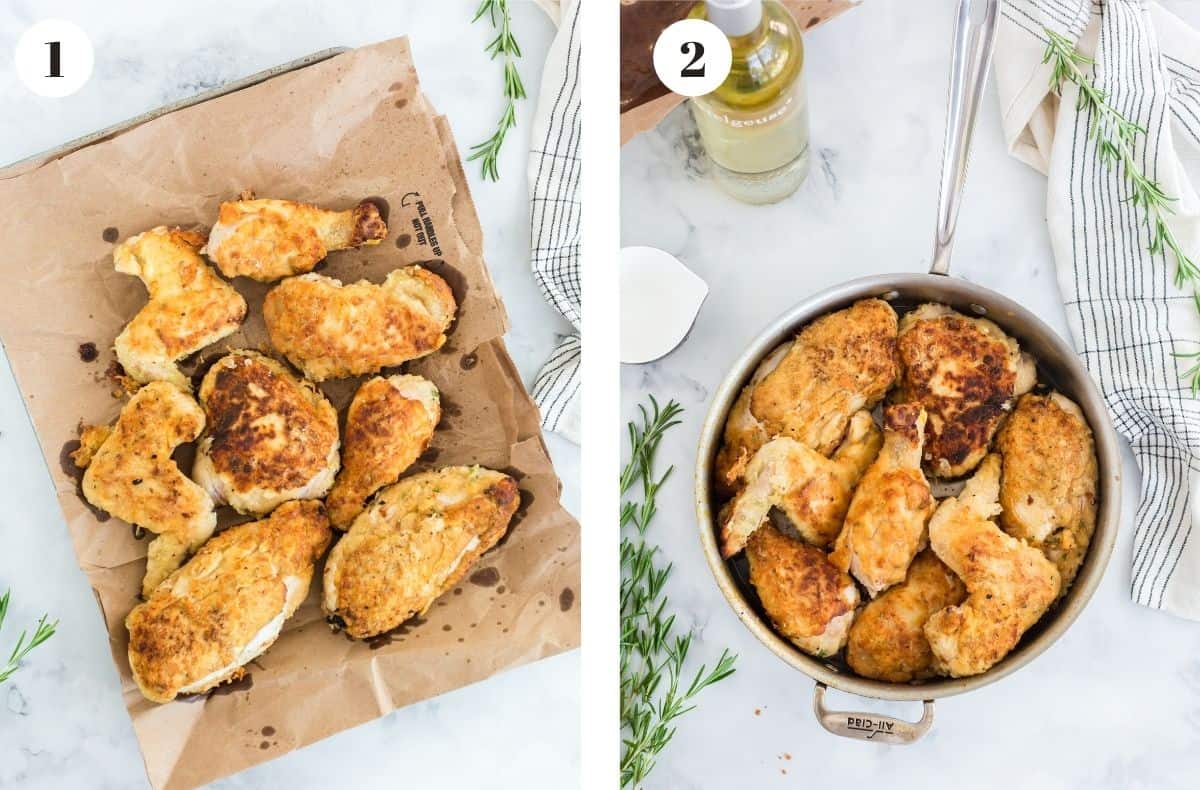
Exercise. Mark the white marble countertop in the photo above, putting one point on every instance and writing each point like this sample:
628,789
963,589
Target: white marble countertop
62,722
1116,702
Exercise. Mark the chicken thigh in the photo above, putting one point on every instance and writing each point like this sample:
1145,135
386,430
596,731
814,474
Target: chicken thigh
744,434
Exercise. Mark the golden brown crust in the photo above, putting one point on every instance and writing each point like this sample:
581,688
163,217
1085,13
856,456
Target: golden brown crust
415,541
743,434
226,605
330,330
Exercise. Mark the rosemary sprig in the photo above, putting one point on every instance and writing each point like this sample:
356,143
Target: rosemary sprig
1115,138
653,690
43,632
503,44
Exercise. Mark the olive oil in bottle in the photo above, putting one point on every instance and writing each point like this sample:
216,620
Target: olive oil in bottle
755,124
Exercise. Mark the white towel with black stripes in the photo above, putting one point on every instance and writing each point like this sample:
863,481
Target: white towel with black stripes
1128,318
554,167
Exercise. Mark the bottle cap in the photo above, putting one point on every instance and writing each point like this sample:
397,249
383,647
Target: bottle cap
735,17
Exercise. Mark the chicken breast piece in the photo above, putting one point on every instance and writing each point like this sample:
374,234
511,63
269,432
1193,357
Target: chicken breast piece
414,542
885,524
812,491
388,426
966,373
131,475
744,434
887,640
190,307
227,605
1010,584
840,364
270,239
330,330
1049,478
809,601
271,437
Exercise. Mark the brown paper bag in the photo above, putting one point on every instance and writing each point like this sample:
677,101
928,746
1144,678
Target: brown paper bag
348,128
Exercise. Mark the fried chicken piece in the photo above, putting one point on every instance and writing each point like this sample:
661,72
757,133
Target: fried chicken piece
1010,584
966,373
388,426
887,640
1048,485
885,525
270,239
190,307
227,605
330,330
414,542
812,491
130,474
808,600
840,364
744,434
271,437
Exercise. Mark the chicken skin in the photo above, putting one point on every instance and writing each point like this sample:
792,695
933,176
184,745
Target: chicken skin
270,437
744,434
812,491
887,640
966,373
808,600
1010,584
388,426
267,240
1048,485
330,330
840,364
190,307
130,474
227,605
414,542
885,525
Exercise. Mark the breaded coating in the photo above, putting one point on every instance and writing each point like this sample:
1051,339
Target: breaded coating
966,373
130,474
271,437
1010,584
415,541
812,491
1049,479
841,363
227,605
808,600
885,525
190,307
744,434
887,640
270,239
388,425
330,330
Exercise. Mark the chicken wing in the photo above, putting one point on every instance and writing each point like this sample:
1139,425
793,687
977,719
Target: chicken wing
330,330
966,373
1010,584
744,434
812,491
131,475
227,605
1048,485
887,640
885,525
841,363
808,600
415,541
190,307
270,239
388,426
270,437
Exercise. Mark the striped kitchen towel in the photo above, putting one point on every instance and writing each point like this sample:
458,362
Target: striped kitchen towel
1128,317
554,220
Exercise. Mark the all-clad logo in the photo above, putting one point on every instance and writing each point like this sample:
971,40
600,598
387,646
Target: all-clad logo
870,726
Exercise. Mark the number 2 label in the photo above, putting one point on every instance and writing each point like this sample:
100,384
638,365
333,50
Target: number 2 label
691,69
692,57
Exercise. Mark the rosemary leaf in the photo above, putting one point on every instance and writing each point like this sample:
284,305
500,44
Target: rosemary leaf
504,44
41,633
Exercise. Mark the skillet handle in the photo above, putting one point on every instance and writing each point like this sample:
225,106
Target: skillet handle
974,37
869,727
